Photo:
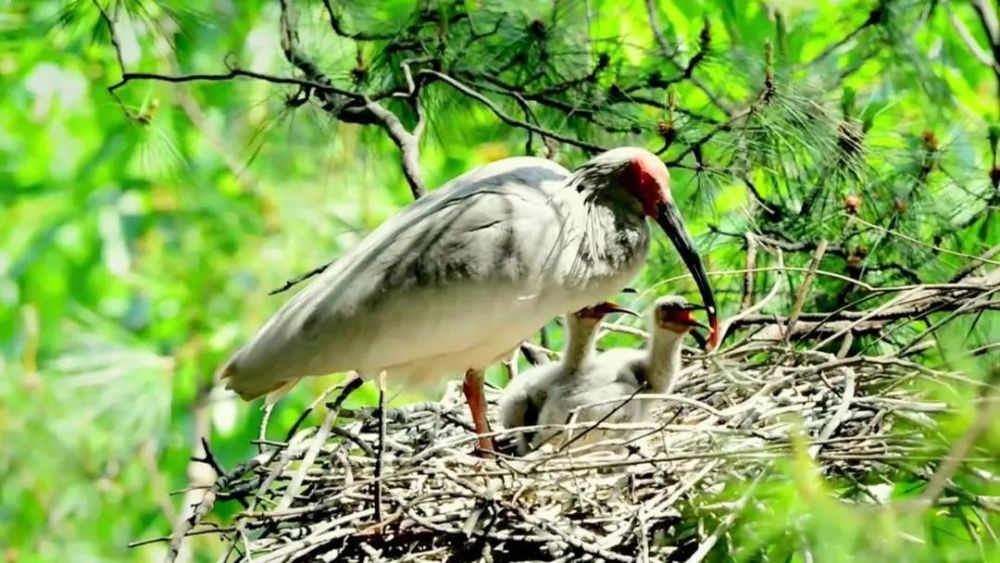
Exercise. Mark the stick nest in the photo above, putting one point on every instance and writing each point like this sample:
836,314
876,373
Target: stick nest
670,492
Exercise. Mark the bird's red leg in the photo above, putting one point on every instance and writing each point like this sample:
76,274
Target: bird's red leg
473,389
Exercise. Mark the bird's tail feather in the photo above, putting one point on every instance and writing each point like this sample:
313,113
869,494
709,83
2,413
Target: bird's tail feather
250,388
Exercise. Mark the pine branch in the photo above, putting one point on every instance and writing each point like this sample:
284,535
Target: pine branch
503,116
875,17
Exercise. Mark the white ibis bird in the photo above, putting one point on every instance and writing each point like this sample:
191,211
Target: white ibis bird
459,278
620,374
524,395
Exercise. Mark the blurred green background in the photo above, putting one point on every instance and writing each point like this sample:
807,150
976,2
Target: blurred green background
138,244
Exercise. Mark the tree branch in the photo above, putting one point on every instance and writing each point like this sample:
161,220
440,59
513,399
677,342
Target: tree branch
232,74
469,92
112,32
988,18
875,17
977,51
671,54
407,142
295,56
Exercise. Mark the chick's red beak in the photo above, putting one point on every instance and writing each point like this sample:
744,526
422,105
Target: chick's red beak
689,320
606,308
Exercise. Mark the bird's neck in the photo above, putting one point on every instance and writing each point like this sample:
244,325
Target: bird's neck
580,335
616,204
664,360
614,235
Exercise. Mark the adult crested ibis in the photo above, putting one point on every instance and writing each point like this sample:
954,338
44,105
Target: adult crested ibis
524,396
596,393
460,277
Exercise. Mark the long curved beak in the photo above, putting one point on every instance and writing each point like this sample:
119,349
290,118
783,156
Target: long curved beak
670,220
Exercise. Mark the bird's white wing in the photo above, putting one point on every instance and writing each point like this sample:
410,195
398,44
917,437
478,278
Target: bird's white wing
434,280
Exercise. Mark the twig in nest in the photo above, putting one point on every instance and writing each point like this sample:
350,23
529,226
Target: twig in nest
727,324
208,458
380,451
751,264
800,299
317,443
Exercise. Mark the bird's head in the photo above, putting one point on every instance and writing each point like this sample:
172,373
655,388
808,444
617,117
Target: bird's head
673,313
639,178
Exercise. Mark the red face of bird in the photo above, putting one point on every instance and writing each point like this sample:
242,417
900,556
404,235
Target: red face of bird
675,314
646,179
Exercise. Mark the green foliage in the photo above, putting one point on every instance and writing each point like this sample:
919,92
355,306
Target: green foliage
138,242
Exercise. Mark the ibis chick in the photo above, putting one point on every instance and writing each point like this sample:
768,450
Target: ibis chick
619,374
525,394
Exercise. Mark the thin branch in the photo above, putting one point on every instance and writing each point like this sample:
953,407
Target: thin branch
334,99
116,44
706,546
977,51
113,33
380,451
670,53
975,265
800,299
233,73
988,18
875,17
654,25
202,532
467,91
292,282
748,277
933,247
317,444
697,145
203,470
408,143
373,112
